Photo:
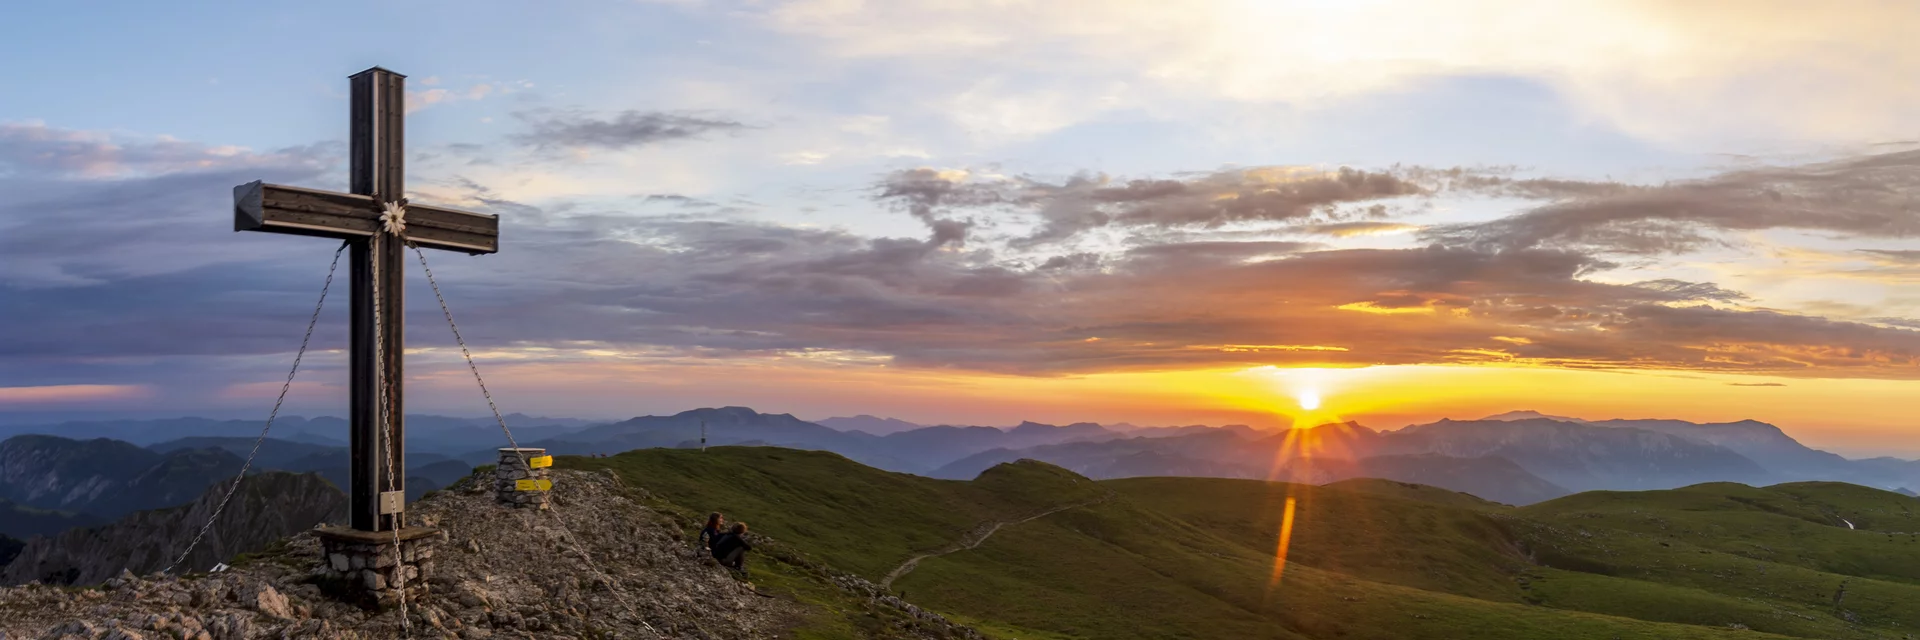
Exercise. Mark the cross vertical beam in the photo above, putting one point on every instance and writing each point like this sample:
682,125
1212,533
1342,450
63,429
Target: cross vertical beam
377,164
379,227
377,265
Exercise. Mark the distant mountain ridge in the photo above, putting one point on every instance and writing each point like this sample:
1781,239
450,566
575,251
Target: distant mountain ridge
49,484
1200,454
1763,443
1580,456
962,452
1759,441
265,508
103,477
1528,455
1529,414
915,451
426,433
869,424
1767,445
1522,456
722,425
1489,477
426,471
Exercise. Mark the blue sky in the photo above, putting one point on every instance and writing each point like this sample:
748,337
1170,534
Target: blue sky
788,223
266,76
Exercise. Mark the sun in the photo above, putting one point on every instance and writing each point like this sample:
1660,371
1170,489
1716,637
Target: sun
1309,399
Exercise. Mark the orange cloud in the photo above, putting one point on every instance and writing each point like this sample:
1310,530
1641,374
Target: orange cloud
56,394
1257,348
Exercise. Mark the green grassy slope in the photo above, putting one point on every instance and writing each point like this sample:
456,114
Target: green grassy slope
856,518
824,514
1194,557
1777,558
1417,493
1118,571
1362,534
1802,525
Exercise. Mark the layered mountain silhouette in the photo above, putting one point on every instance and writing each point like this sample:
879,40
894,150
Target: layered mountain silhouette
1582,457
425,433
915,451
1519,457
870,424
1760,442
426,471
102,477
265,508
50,484
1491,477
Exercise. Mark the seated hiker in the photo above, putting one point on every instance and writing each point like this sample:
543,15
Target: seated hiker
731,547
710,532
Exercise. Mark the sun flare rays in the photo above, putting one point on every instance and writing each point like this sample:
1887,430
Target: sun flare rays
1286,540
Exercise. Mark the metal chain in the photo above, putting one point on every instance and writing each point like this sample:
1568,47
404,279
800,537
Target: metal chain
384,397
284,388
612,585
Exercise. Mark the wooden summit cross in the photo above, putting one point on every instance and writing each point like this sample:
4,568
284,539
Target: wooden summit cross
364,218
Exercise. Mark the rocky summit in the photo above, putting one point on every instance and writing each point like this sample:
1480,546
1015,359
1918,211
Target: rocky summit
599,564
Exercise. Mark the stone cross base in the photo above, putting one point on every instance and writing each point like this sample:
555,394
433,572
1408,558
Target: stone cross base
369,569
508,477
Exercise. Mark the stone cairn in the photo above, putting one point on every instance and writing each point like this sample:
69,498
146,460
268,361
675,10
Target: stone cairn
370,562
518,484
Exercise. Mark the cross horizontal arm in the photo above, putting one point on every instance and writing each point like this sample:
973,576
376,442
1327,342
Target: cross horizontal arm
310,212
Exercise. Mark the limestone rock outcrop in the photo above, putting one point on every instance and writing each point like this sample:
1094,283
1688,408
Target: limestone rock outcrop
596,564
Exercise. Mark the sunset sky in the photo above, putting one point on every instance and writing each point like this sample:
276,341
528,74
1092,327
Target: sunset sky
984,212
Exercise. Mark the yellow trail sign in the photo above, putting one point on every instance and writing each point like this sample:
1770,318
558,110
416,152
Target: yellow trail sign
539,462
533,485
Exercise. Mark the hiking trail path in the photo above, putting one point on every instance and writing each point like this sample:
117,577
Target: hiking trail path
976,536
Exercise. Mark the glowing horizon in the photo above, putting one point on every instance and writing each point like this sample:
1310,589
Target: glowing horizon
1378,397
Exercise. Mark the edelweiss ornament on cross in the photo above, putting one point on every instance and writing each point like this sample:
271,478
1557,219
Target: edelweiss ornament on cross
394,218
373,208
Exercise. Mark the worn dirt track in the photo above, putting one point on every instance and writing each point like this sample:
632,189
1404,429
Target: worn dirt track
975,537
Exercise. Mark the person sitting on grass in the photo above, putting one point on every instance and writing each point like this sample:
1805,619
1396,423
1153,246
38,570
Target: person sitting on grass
731,548
710,532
